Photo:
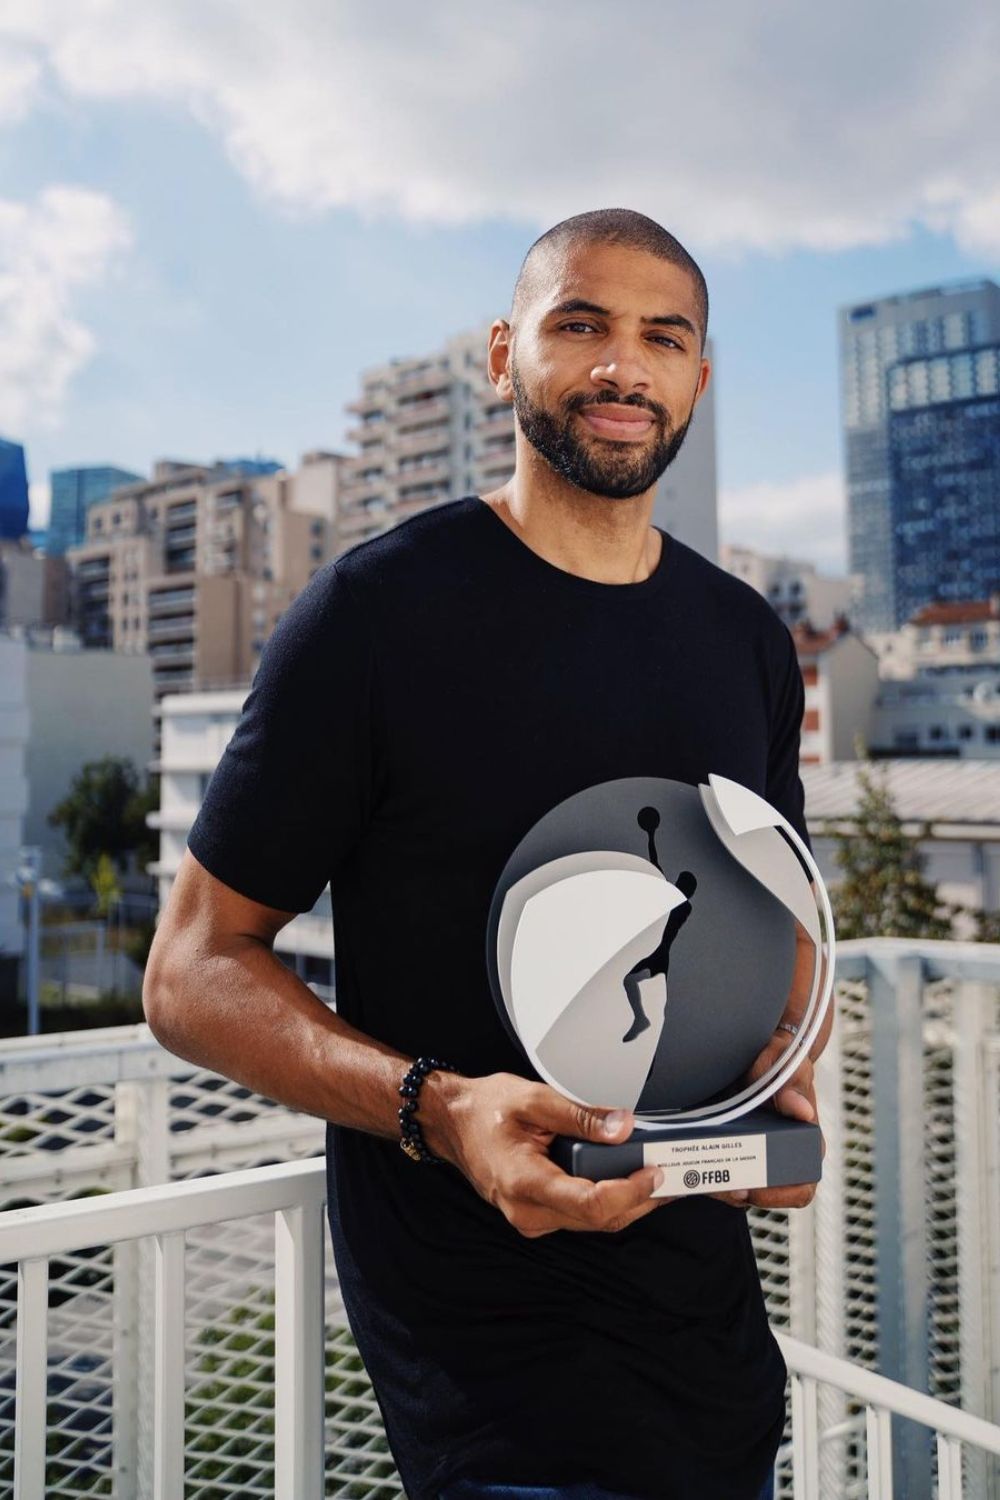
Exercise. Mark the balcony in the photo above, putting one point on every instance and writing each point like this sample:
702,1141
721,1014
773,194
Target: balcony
432,438
495,419
170,627
179,653
368,436
419,382
422,414
180,536
171,1321
170,599
371,401
430,471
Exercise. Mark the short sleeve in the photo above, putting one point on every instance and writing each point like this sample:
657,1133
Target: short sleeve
291,794
784,784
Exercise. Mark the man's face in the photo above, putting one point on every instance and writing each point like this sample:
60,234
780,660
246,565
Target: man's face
605,366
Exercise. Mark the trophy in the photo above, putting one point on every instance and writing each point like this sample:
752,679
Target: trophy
641,945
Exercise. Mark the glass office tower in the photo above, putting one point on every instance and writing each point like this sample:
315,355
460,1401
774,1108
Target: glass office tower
944,458
13,491
873,337
74,491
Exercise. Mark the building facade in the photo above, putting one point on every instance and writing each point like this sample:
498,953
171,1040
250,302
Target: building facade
944,454
195,729
795,591
196,565
13,807
82,705
13,491
840,678
73,492
873,337
940,691
432,429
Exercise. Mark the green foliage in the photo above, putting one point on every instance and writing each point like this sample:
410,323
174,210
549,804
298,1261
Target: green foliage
884,892
104,883
104,812
229,1407
987,925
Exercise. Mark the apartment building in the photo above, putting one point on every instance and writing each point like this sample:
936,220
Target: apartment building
196,727
793,588
431,429
196,565
942,638
840,675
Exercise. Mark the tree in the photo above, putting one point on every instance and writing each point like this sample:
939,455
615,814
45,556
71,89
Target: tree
105,813
884,892
104,883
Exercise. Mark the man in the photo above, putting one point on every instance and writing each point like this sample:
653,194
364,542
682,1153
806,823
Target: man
426,699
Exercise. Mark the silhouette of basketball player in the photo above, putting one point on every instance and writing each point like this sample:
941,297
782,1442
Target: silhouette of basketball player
658,961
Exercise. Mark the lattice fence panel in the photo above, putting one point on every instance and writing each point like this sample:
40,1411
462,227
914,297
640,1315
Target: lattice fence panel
945,1374
34,1122
80,1386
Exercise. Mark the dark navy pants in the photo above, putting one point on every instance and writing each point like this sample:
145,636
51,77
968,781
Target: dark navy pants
470,1489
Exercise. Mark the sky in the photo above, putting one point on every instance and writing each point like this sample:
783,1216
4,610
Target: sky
214,215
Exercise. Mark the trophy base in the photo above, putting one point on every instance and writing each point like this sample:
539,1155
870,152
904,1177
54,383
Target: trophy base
759,1150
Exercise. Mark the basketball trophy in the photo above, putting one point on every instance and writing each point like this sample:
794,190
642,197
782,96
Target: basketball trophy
614,890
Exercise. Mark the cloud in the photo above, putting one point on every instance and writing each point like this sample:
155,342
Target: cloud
20,76
767,126
803,518
63,241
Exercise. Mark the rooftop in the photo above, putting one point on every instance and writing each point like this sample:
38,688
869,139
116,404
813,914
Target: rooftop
947,790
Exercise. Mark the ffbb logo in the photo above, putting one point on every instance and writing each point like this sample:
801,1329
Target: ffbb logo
695,1179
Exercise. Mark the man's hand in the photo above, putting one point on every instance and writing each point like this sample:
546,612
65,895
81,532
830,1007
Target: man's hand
796,1098
497,1130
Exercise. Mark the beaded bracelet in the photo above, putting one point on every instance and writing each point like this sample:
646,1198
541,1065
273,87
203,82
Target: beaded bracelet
412,1141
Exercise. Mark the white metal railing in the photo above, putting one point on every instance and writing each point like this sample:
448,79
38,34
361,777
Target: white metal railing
881,1399
295,1194
895,1267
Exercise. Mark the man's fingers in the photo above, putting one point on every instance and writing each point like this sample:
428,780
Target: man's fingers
791,1101
578,1202
798,1196
544,1108
739,1198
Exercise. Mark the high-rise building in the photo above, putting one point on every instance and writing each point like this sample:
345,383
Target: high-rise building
944,456
74,491
874,336
196,565
13,491
432,429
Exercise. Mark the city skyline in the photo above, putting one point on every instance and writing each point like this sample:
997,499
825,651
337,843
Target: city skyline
217,247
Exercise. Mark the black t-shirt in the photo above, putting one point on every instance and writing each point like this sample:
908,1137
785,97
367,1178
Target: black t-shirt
424,701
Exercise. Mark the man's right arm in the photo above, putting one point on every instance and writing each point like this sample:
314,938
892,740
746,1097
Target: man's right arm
216,995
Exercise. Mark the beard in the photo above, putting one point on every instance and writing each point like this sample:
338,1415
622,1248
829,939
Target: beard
618,471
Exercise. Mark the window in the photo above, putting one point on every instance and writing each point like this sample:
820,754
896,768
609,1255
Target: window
938,732
993,733
965,731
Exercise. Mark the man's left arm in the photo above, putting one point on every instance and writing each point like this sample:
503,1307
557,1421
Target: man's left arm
797,1097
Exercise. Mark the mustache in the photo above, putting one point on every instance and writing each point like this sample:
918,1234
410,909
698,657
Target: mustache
609,398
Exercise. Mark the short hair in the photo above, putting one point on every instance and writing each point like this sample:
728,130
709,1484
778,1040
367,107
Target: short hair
613,226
